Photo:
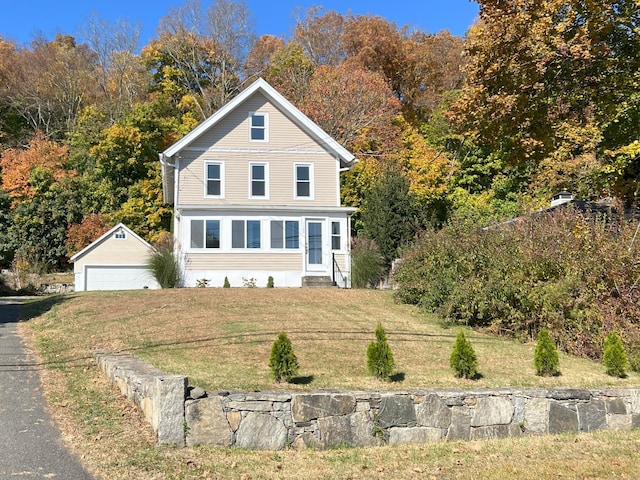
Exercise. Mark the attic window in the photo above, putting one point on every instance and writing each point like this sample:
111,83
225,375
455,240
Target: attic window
120,235
258,127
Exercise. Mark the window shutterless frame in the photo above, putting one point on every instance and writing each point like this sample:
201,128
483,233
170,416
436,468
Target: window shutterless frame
259,180
214,179
258,127
303,181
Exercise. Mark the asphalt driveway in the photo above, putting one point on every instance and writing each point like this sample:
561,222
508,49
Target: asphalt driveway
30,444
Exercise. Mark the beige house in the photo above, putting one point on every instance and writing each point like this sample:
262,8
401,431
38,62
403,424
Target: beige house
115,261
256,194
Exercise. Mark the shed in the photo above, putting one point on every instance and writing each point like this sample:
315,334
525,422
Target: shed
115,261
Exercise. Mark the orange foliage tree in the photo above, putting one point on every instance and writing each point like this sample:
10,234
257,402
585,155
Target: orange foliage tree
19,165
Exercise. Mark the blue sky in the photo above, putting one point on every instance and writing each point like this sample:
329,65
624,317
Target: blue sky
21,20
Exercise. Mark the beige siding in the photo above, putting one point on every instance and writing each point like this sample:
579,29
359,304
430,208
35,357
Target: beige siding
287,145
244,261
128,251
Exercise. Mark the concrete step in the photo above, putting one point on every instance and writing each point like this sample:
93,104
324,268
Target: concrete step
317,282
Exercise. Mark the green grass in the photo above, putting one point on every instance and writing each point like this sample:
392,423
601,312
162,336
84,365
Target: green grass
221,339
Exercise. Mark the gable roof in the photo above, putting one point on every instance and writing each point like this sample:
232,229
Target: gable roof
346,158
107,235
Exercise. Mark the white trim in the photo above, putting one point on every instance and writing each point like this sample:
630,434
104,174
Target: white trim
206,164
321,137
266,181
106,235
302,210
264,115
311,181
276,151
154,284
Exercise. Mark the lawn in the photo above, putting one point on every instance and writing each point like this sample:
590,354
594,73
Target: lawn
221,339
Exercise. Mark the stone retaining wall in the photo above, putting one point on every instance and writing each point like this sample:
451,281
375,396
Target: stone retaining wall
323,419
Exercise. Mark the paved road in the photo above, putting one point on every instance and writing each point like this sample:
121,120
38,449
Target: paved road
30,444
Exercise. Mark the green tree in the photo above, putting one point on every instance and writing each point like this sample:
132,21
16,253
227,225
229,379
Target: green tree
388,214
463,360
380,361
545,358
283,361
614,357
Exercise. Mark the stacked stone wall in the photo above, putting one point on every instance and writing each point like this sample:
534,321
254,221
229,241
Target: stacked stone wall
274,420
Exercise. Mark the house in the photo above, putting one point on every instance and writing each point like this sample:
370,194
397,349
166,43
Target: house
256,194
115,261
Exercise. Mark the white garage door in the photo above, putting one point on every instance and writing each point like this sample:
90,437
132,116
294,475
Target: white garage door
128,277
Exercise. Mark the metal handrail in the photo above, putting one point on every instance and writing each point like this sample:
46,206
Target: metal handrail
343,277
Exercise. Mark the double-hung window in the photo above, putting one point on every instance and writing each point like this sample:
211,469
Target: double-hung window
205,234
214,173
303,180
245,234
258,127
285,234
259,181
335,236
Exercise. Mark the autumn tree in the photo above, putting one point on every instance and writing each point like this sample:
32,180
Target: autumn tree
79,235
549,84
348,102
120,73
49,83
320,35
290,72
199,54
22,166
260,55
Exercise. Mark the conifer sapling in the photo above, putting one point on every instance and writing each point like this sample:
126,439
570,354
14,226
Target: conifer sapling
545,358
463,360
380,361
614,357
283,361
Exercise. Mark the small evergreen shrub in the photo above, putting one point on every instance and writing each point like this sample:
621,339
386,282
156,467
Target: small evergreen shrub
614,357
226,283
283,361
463,360
270,282
164,264
380,362
367,264
545,358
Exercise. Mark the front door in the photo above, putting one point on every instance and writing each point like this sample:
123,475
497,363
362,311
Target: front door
314,253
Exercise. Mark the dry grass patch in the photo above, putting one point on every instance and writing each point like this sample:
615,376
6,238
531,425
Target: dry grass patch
221,338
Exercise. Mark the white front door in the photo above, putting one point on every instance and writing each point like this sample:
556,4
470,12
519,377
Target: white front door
314,246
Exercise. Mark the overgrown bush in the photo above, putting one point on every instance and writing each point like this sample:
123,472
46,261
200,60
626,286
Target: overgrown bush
367,264
164,264
283,361
545,358
571,272
614,357
380,361
634,359
463,360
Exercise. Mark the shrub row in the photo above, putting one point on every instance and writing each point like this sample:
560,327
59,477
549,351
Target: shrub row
575,274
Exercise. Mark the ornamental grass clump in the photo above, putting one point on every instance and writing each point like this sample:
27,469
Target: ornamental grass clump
164,264
545,358
463,360
614,357
283,361
380,363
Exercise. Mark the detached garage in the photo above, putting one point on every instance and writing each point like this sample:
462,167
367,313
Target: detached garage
115,261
